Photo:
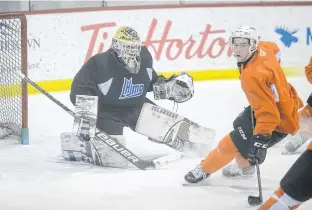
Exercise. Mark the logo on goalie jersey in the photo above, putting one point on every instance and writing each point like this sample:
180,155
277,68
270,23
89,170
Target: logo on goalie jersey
130,90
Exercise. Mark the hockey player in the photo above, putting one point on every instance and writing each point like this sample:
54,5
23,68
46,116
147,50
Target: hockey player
295,187
273,110
120,78
305,116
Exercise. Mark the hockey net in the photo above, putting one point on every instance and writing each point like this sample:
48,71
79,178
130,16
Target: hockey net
13,91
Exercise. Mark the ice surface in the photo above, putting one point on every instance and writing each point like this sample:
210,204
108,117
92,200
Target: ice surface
34,177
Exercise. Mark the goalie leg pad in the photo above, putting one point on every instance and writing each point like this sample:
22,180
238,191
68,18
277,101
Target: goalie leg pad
94,151
163,120
174,130
85,116
71,147
75,149
108,156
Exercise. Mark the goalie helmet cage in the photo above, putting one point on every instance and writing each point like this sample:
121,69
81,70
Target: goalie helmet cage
13,90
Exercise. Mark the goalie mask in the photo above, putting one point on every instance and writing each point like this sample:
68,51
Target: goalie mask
127,45
244,41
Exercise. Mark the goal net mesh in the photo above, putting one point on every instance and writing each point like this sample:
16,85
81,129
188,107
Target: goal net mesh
13,91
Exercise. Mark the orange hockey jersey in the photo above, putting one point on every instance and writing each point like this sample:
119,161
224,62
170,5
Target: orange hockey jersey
308,71
272,47
274,101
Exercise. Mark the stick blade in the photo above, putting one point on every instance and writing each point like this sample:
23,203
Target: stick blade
165,160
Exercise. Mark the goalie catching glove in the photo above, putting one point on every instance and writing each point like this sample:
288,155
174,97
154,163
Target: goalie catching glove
177,88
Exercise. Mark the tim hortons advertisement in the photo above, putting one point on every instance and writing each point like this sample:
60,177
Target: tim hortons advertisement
182,39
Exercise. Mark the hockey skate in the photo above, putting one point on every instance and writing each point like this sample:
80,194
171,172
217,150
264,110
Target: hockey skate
196,175
233,170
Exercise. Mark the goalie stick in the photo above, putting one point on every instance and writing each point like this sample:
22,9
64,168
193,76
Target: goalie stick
110,141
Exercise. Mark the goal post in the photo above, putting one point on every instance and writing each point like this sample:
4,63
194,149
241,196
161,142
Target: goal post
13,90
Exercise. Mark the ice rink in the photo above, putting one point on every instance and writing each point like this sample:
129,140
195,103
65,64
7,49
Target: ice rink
34,177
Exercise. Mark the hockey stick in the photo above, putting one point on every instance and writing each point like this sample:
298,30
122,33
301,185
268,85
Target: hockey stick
107,139
256,200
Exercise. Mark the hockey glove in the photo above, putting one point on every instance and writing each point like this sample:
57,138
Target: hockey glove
178,88
258,148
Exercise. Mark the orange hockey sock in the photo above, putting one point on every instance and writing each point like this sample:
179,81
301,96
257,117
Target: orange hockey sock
220,156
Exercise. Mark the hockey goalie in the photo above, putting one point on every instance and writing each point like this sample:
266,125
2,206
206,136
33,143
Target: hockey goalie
109,93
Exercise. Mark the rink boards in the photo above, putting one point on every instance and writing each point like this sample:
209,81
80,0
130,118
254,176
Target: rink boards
180,38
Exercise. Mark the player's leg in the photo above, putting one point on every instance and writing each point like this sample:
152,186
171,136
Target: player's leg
240,135
295,187
134,116
171,129
219,157
297,182
280,201
233,145
112,124
97,152
72,147
241,167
